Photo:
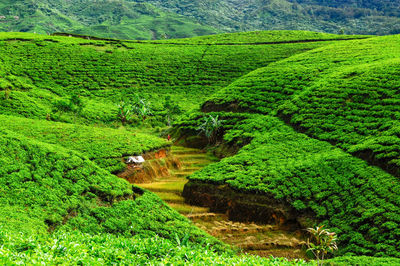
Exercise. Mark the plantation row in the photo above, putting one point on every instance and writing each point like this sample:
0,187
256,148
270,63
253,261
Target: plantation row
36,72
356,109
105,146
345,93
257,37
357,201
45,187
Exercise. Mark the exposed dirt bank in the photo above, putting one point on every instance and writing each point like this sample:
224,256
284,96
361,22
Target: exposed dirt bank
157,164
244,207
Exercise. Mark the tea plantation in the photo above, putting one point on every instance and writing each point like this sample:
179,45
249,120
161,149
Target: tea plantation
346,94
310,119
41,70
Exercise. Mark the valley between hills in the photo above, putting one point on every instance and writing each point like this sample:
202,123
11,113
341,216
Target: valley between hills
248,140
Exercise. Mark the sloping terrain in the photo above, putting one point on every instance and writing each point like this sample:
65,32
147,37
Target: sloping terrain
272,92
39,71
345,93
169,19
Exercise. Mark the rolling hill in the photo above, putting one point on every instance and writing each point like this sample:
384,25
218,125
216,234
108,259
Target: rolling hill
111,19
309,120
351,17
319,135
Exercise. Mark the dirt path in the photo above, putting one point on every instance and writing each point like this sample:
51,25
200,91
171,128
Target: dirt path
263,240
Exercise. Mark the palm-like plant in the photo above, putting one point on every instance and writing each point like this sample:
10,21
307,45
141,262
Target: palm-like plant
141,108
210,127
324,242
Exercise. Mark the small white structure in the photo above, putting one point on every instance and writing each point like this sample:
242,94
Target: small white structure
135,160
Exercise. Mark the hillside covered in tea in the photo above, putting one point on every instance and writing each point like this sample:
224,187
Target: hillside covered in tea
314,126
306,122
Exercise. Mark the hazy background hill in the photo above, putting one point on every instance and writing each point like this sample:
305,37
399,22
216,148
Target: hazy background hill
158,19
353,16
104,18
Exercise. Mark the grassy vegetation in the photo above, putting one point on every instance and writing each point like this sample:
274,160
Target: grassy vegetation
355,17
46,187
260,37
362,104
344,93
79,248
362,261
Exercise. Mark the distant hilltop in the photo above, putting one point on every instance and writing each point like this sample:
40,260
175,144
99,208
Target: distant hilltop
169,19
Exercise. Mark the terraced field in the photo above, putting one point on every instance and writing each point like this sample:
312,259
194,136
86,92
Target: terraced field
259,239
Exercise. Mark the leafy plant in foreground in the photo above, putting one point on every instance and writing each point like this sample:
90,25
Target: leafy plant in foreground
324,242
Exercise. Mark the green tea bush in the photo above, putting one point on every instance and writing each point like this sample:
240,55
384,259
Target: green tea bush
357,201
357,108
74,247
45,187
62,66
104,146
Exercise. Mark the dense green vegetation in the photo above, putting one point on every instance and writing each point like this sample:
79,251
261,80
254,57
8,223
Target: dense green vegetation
363,261
345,93
105,146
104,73
46,187
358,202
168,19
62,134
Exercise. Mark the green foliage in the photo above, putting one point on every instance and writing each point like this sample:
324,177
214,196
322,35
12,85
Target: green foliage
323,242
46,187
171,108
357,201
363,107
210,128
74,247
141,107
356,17
53,175
105,146
73,104
58,67
125,113
344,93
103,18
362,261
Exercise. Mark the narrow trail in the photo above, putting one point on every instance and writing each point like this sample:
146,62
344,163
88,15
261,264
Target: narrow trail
263,240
